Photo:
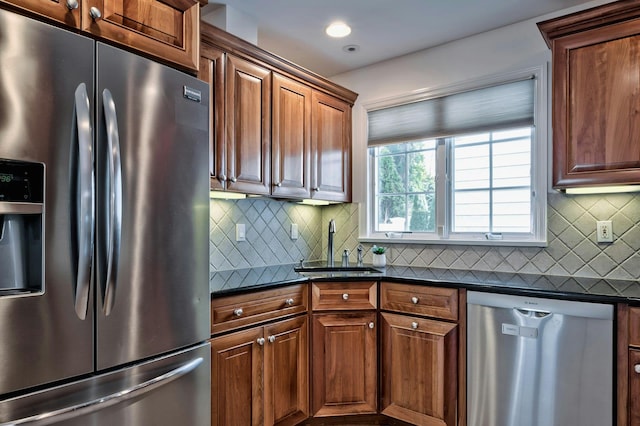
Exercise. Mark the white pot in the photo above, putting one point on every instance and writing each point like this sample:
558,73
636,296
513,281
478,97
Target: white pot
380,260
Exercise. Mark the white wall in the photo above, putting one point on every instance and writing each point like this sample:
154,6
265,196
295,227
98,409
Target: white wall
511,48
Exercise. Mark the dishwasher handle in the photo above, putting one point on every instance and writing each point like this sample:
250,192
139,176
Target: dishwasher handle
532,313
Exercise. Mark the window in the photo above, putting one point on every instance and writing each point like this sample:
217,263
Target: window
466,167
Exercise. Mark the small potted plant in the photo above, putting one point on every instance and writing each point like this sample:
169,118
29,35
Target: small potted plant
379,256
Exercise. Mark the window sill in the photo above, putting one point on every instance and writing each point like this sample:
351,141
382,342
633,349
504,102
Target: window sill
402,239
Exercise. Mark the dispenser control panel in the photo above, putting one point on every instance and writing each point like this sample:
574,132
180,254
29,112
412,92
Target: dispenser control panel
21,182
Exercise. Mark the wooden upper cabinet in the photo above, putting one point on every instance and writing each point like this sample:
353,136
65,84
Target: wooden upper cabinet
248,126
596,95
212,62
331,148
419,370
291,138
168,30
65,11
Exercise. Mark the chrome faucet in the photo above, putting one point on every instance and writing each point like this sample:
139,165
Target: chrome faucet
360,249
332,231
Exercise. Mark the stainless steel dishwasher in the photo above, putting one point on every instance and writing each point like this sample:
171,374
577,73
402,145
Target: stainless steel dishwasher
538,362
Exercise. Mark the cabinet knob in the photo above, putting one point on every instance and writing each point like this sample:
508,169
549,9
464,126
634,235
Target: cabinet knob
95,13
279,184
260,340
317,188
222,178
289,302
371,324
238,312
415,300
72,4
345,296
414,325
272,339
636,368
234,180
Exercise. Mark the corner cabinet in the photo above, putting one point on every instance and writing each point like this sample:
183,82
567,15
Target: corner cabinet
344,348
277,129
596,95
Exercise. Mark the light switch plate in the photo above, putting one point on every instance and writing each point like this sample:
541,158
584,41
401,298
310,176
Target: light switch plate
240,232
294,231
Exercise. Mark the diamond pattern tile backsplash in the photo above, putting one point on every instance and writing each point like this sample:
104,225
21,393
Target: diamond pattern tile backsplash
572,248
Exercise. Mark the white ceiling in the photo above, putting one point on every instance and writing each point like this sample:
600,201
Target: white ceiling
294,29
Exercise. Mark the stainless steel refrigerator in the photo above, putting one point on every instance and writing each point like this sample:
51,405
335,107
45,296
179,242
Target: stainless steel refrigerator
104,224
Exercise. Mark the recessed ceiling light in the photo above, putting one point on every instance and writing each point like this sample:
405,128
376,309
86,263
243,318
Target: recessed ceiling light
338,29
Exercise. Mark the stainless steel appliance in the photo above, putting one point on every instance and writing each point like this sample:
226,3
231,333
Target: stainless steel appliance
538,362
110,322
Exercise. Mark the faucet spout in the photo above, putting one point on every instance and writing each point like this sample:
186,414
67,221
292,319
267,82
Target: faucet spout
332,231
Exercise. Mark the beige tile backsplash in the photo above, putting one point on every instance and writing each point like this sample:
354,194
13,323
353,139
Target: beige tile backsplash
572,249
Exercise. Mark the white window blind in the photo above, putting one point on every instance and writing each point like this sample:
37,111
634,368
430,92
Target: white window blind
503,106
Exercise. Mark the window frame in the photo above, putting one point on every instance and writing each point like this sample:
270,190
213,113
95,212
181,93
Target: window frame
443,233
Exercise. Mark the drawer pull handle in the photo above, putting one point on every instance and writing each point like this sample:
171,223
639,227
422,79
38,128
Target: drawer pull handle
238,312
289,302
415,300
371,324
345,296
636,368
272,339
414,325
260,341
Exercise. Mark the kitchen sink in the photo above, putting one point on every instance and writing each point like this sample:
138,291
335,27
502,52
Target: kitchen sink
359,269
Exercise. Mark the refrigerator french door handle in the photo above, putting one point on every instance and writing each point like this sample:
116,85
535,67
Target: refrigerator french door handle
101,403
114,204
85,201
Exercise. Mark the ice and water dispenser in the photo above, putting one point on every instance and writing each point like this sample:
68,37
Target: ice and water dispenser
21,227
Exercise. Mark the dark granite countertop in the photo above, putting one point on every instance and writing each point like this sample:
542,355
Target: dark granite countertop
577,288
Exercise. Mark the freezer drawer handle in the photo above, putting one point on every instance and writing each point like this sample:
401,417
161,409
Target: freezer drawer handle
114,202
97,404
85,201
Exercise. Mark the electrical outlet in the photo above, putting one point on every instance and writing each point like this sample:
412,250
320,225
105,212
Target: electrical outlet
294,231
604,231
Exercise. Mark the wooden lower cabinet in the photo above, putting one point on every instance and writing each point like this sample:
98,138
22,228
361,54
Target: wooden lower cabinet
419,370
344,364
265,368
634,388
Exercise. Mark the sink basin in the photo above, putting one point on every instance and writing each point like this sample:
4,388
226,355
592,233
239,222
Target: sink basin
363,269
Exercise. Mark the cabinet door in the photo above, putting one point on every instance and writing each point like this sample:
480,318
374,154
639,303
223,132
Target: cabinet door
236,379
286,372
165,29
212,71
66,11
291,138
248,118
596,107
634,388
331,149
344,364
419,370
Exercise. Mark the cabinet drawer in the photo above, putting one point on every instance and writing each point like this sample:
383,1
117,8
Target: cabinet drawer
434,302
231,312
344,296
634,327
